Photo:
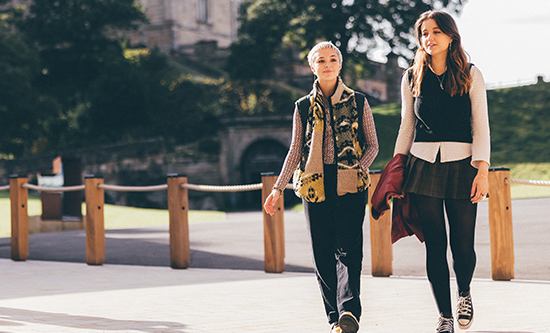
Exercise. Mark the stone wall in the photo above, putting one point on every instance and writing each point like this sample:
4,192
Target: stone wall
248,147
129,164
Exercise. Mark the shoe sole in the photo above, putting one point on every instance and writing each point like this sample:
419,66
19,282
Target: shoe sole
348,324
465,327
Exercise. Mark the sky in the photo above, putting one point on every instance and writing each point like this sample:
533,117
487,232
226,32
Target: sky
508,40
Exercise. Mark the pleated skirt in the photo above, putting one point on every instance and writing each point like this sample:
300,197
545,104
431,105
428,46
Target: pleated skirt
450,180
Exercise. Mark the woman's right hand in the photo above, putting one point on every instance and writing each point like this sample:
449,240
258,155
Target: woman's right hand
271,200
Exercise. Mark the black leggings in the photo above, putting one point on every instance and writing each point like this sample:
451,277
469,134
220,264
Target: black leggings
461,214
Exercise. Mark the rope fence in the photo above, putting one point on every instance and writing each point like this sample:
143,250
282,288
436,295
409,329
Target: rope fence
207,188
54,189
500,220
527,182
133,188
227,188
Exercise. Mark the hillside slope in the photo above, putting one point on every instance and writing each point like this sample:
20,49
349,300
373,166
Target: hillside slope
520,124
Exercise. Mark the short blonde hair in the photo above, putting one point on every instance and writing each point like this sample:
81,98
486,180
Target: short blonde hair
320,46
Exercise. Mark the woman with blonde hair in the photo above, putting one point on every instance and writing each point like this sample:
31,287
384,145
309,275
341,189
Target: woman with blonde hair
445,132
333,144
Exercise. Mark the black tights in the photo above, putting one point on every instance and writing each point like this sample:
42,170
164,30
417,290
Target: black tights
462,219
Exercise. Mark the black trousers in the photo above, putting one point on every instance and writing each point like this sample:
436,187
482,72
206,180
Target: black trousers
336,228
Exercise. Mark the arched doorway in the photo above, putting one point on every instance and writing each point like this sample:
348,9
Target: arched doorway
264,155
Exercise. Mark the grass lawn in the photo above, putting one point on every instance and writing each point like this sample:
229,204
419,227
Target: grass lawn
529,171
116,217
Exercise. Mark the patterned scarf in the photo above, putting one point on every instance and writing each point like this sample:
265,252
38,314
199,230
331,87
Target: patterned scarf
308,177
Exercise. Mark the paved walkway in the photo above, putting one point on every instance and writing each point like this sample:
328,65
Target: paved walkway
226,290
41,296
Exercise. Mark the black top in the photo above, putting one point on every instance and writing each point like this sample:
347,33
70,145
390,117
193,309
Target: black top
440,116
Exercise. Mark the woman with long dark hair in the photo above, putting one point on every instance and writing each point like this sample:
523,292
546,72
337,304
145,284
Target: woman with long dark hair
445,132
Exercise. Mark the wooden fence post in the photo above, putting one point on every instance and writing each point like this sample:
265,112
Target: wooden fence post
178,210
95,221
380,236
500,225
19,218
274,229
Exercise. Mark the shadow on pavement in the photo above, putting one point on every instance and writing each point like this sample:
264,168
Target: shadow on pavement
139,246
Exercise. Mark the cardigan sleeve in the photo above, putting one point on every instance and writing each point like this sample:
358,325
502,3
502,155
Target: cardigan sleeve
481,144
294,153
406,129
371,140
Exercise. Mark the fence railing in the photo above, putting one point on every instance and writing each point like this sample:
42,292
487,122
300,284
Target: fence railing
177,187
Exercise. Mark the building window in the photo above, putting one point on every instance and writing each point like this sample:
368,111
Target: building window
202,11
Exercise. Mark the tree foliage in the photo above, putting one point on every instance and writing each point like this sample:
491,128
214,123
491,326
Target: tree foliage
68,82
353,25
77,40
18,102
75,45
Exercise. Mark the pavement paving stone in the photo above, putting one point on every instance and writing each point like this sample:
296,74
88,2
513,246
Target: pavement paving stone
226,290
42,296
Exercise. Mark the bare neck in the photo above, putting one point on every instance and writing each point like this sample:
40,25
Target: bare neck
439,64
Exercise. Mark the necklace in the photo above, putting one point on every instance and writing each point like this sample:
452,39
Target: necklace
442,76
441,80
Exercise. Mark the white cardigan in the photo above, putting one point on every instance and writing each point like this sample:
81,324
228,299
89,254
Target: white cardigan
479,149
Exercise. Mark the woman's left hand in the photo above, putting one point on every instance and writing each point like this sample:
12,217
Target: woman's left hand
480,186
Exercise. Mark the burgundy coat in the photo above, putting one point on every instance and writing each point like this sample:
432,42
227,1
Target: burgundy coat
404,217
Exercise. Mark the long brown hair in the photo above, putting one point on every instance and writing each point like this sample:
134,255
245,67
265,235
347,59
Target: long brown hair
458,80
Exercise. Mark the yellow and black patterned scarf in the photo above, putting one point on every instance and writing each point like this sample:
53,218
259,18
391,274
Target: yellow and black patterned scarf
308,177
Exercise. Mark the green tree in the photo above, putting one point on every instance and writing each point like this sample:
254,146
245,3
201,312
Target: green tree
76,39
126,100
19,109
77,43
353,25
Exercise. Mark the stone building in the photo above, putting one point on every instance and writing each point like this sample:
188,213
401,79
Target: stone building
202,30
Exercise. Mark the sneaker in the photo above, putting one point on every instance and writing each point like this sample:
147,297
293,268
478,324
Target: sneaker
335,328
445,325
348,323
464,312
